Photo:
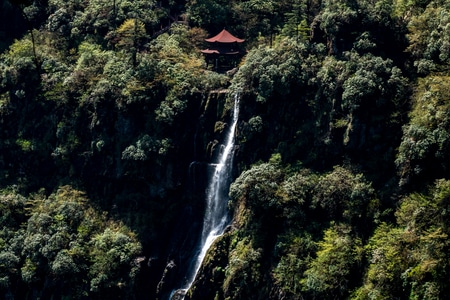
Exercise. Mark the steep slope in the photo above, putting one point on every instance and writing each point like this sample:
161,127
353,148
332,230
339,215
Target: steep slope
109,113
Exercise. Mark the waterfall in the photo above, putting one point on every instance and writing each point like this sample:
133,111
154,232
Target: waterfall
216,216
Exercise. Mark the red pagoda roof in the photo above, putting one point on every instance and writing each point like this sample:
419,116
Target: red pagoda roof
224,37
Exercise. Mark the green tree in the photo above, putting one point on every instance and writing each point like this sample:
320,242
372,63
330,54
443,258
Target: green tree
179,73
411,258
23,4
424,147
269,72
333,273
211,14
345,196
383,277
12,206
335,19
260,18
296,249
259,185
114,259
429,38
129,36
66,243
242,274
295,24
100,16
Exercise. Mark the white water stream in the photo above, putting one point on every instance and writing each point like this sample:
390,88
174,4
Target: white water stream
216,216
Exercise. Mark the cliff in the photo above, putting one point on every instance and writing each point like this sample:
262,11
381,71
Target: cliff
340,178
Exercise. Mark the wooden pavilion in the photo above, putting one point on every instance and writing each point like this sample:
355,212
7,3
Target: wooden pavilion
224,50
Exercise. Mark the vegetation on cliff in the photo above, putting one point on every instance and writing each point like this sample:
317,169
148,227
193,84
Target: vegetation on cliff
342,167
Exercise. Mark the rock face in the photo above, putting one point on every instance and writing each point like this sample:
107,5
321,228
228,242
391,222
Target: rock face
210,278
183,237
142,169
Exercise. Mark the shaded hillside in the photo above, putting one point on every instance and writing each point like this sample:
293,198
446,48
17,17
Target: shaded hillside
109,115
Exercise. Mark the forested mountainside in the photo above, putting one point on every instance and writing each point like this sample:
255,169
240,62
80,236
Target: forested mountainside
109,115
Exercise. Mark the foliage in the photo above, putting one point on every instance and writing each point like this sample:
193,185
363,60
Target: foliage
205,13
113,250
410,258
429,37
297,201
341,168
258,185
372,78
242,273
62,238
297,251
271,70
130,36
425,139
100,17
333,272
343,194
336,15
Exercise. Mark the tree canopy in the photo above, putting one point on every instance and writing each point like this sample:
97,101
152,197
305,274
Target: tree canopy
110,117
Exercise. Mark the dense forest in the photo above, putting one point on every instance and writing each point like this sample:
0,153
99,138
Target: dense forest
109,114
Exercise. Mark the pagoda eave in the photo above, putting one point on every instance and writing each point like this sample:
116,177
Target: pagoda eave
215,52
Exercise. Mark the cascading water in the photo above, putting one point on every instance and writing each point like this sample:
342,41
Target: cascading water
216,216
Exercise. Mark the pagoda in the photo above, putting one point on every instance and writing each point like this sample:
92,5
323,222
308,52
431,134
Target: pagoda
224,50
